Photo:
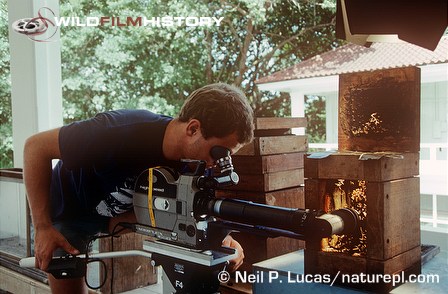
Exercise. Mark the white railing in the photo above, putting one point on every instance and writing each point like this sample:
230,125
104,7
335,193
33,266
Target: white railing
434,181
14,221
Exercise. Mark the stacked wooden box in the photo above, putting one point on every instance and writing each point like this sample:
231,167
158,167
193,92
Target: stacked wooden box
271,172
378,147
126,273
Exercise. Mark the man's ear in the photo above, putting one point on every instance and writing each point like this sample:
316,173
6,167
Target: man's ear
193,126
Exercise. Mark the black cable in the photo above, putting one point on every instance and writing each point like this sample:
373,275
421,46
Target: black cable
105,274
113,234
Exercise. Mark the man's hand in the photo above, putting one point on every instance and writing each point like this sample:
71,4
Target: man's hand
238,261
46,240
39,151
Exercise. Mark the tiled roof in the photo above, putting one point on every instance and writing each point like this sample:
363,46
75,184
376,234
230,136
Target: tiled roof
356,58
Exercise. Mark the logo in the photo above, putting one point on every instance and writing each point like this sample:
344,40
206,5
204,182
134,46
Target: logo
224,277
161,204
45,25
39,28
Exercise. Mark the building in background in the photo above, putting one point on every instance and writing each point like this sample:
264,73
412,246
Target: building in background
319,76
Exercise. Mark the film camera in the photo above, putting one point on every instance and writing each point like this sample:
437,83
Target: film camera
186,223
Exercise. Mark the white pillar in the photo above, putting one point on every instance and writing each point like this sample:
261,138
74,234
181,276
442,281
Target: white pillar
298,109
36,93
331,116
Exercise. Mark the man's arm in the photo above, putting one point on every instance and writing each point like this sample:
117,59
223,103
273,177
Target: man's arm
238,261
39,151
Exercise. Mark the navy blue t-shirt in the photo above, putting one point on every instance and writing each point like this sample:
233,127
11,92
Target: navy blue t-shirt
101,155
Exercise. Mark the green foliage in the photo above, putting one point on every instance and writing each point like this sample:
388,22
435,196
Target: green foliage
110,67
156,68
5,92
270,36
131,67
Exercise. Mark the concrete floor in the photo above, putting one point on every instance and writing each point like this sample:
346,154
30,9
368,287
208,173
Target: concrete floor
436,266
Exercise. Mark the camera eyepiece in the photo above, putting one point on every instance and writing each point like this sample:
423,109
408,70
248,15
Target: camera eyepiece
222,158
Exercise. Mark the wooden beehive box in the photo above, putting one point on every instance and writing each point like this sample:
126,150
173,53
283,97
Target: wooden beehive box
380,110
263,173
274,159
271,172
390,219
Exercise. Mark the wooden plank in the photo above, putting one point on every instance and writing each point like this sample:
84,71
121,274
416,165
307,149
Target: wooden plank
346,165
391,168
275,145
267,163
269,182
271,123
277,126
380,110
332,262
270,133
393,217
129,273
397,263
290,197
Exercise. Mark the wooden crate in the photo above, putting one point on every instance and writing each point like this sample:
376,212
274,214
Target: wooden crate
128,272
277,126
271,162
271,172
275,145
392,207
269,181
356,165
268,172
393,214
380,110
268,163
279,123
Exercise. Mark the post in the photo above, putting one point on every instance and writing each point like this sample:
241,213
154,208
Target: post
36,94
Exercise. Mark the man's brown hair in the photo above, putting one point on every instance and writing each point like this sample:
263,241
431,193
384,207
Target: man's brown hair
222,109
